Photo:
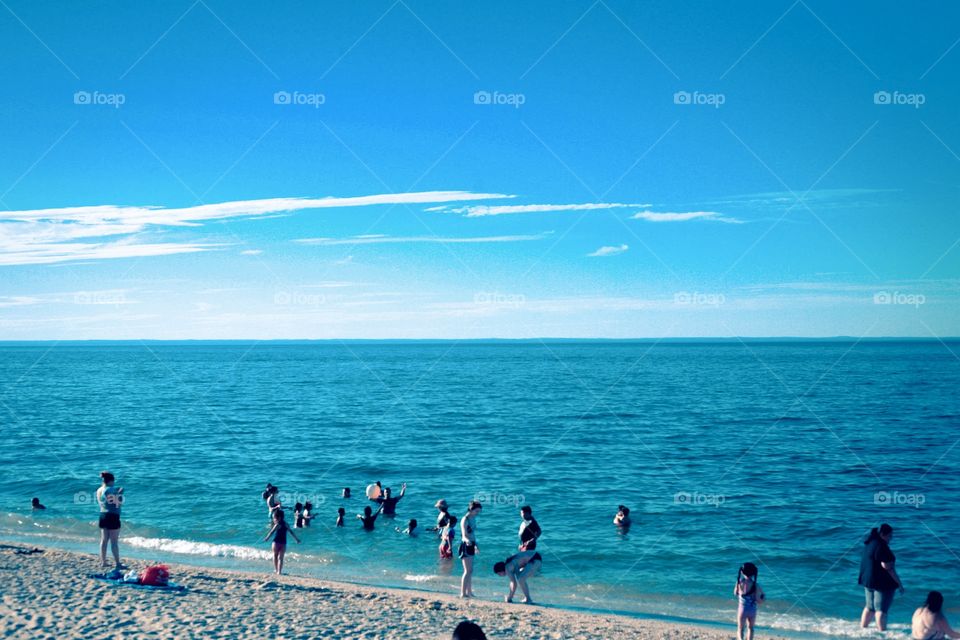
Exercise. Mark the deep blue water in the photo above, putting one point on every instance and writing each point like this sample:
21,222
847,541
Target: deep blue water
780,454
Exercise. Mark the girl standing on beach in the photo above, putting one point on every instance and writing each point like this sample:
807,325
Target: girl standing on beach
468,547
279,532
749,595
110,499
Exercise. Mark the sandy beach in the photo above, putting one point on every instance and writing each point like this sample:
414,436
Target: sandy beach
48,594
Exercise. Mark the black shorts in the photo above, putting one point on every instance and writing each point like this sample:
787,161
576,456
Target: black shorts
467,550
110,521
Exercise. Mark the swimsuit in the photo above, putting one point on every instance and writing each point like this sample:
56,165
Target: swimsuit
109,500
280,537
467,550
748,601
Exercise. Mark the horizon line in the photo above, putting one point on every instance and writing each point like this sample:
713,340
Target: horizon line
535,340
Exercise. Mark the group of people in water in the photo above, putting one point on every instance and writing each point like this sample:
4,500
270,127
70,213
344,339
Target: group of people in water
518,568
878,575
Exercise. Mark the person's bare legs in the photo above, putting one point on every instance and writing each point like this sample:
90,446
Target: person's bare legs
866,617
750,621
466,582
528,572
104,539
881,620
115,545
283,551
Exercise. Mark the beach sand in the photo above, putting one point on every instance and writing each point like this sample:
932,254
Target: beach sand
48,594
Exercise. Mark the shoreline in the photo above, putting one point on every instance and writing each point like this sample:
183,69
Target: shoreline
50,593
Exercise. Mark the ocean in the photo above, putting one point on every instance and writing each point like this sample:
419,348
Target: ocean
783,454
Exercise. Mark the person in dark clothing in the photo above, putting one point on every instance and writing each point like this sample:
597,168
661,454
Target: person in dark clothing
529,529
878,576
467,630
369,517
388,502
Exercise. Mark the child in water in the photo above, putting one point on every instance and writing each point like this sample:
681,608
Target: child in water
368,517
749,595
307,513
341,512
279,532
411,529
298,516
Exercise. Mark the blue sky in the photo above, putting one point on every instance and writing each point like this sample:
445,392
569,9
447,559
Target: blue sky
403,169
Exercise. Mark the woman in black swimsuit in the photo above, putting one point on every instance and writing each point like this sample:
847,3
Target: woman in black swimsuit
279,532
468,547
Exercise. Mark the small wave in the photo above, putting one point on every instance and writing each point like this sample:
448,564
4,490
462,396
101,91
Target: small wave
833,627
189,547
412,577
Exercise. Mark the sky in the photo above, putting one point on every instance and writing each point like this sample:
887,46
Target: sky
401,169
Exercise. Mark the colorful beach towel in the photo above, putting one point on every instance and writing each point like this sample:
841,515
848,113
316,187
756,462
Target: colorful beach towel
116,579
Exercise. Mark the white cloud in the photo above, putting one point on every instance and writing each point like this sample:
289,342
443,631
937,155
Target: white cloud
251,252
380,239
477,211
653,216
604,252
45,236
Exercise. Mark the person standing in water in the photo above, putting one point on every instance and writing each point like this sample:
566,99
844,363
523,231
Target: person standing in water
529,529
468,547
878,576
388,503
273,501
110,499
749,596
519,568
929,623
279,532
368,517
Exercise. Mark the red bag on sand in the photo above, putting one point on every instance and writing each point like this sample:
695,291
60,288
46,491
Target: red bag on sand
158,575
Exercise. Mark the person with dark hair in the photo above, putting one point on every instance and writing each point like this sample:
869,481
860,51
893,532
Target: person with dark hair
110,499
467,630
341,512
273,501
388,503
529,529
346,492
35,504
298,515
878,576
622,519
307,513
368,517
279,532
468,547
929,623
411,529
519,568
749,596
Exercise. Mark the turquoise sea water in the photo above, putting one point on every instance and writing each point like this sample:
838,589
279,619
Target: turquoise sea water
783,454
